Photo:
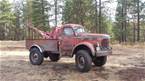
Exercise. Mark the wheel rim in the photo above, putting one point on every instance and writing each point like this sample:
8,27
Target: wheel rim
81,62
34,57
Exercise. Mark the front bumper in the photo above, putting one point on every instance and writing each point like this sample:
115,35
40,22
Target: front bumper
103,51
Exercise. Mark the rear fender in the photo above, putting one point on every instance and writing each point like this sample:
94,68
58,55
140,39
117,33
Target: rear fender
87,45
36,46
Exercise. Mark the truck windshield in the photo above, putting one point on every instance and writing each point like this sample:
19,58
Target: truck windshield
79,30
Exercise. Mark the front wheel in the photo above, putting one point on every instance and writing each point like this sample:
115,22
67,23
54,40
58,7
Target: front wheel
36,57
83,61
100,61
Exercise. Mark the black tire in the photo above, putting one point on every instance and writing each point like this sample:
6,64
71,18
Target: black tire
54,57
45,54
36,57
100,61
83,61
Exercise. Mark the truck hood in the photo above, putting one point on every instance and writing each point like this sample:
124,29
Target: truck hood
93,36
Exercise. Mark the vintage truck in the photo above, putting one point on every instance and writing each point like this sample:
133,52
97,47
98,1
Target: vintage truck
70,40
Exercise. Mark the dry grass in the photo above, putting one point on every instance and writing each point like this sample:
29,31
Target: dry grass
127,63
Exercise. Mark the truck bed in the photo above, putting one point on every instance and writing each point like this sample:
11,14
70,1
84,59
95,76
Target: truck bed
46,44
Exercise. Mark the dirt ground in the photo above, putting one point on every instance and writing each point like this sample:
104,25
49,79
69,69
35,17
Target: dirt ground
127,63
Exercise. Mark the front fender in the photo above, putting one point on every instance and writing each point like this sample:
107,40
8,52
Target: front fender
86,44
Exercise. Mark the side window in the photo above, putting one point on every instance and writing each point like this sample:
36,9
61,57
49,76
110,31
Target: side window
68,32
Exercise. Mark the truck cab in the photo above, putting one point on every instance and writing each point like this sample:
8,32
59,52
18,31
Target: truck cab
71,40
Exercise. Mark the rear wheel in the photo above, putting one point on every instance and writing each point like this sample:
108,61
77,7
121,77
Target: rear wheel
36,57
83,61
100,61
54,57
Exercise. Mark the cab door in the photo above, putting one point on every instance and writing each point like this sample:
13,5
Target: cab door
67,41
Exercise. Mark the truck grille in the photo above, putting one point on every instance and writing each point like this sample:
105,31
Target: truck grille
105,43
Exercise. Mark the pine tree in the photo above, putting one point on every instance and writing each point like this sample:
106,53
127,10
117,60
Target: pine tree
40,17
6,20
118,17
120,28
86,12
68,12
18,21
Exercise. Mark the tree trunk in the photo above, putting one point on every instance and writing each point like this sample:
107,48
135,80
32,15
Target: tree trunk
122,23
55,3
96,17
134,36
100,30
43,13
138,21
81,12
125,22
144,35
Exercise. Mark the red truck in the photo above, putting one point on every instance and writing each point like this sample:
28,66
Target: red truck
70,40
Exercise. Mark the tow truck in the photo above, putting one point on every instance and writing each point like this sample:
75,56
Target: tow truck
70,40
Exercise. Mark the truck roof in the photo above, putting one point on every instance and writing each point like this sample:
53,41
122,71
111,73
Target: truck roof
69,25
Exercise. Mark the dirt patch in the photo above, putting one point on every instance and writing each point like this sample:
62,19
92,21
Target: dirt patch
12,45
132,74
127,63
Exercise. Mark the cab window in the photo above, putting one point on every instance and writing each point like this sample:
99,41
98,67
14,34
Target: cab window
68,32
